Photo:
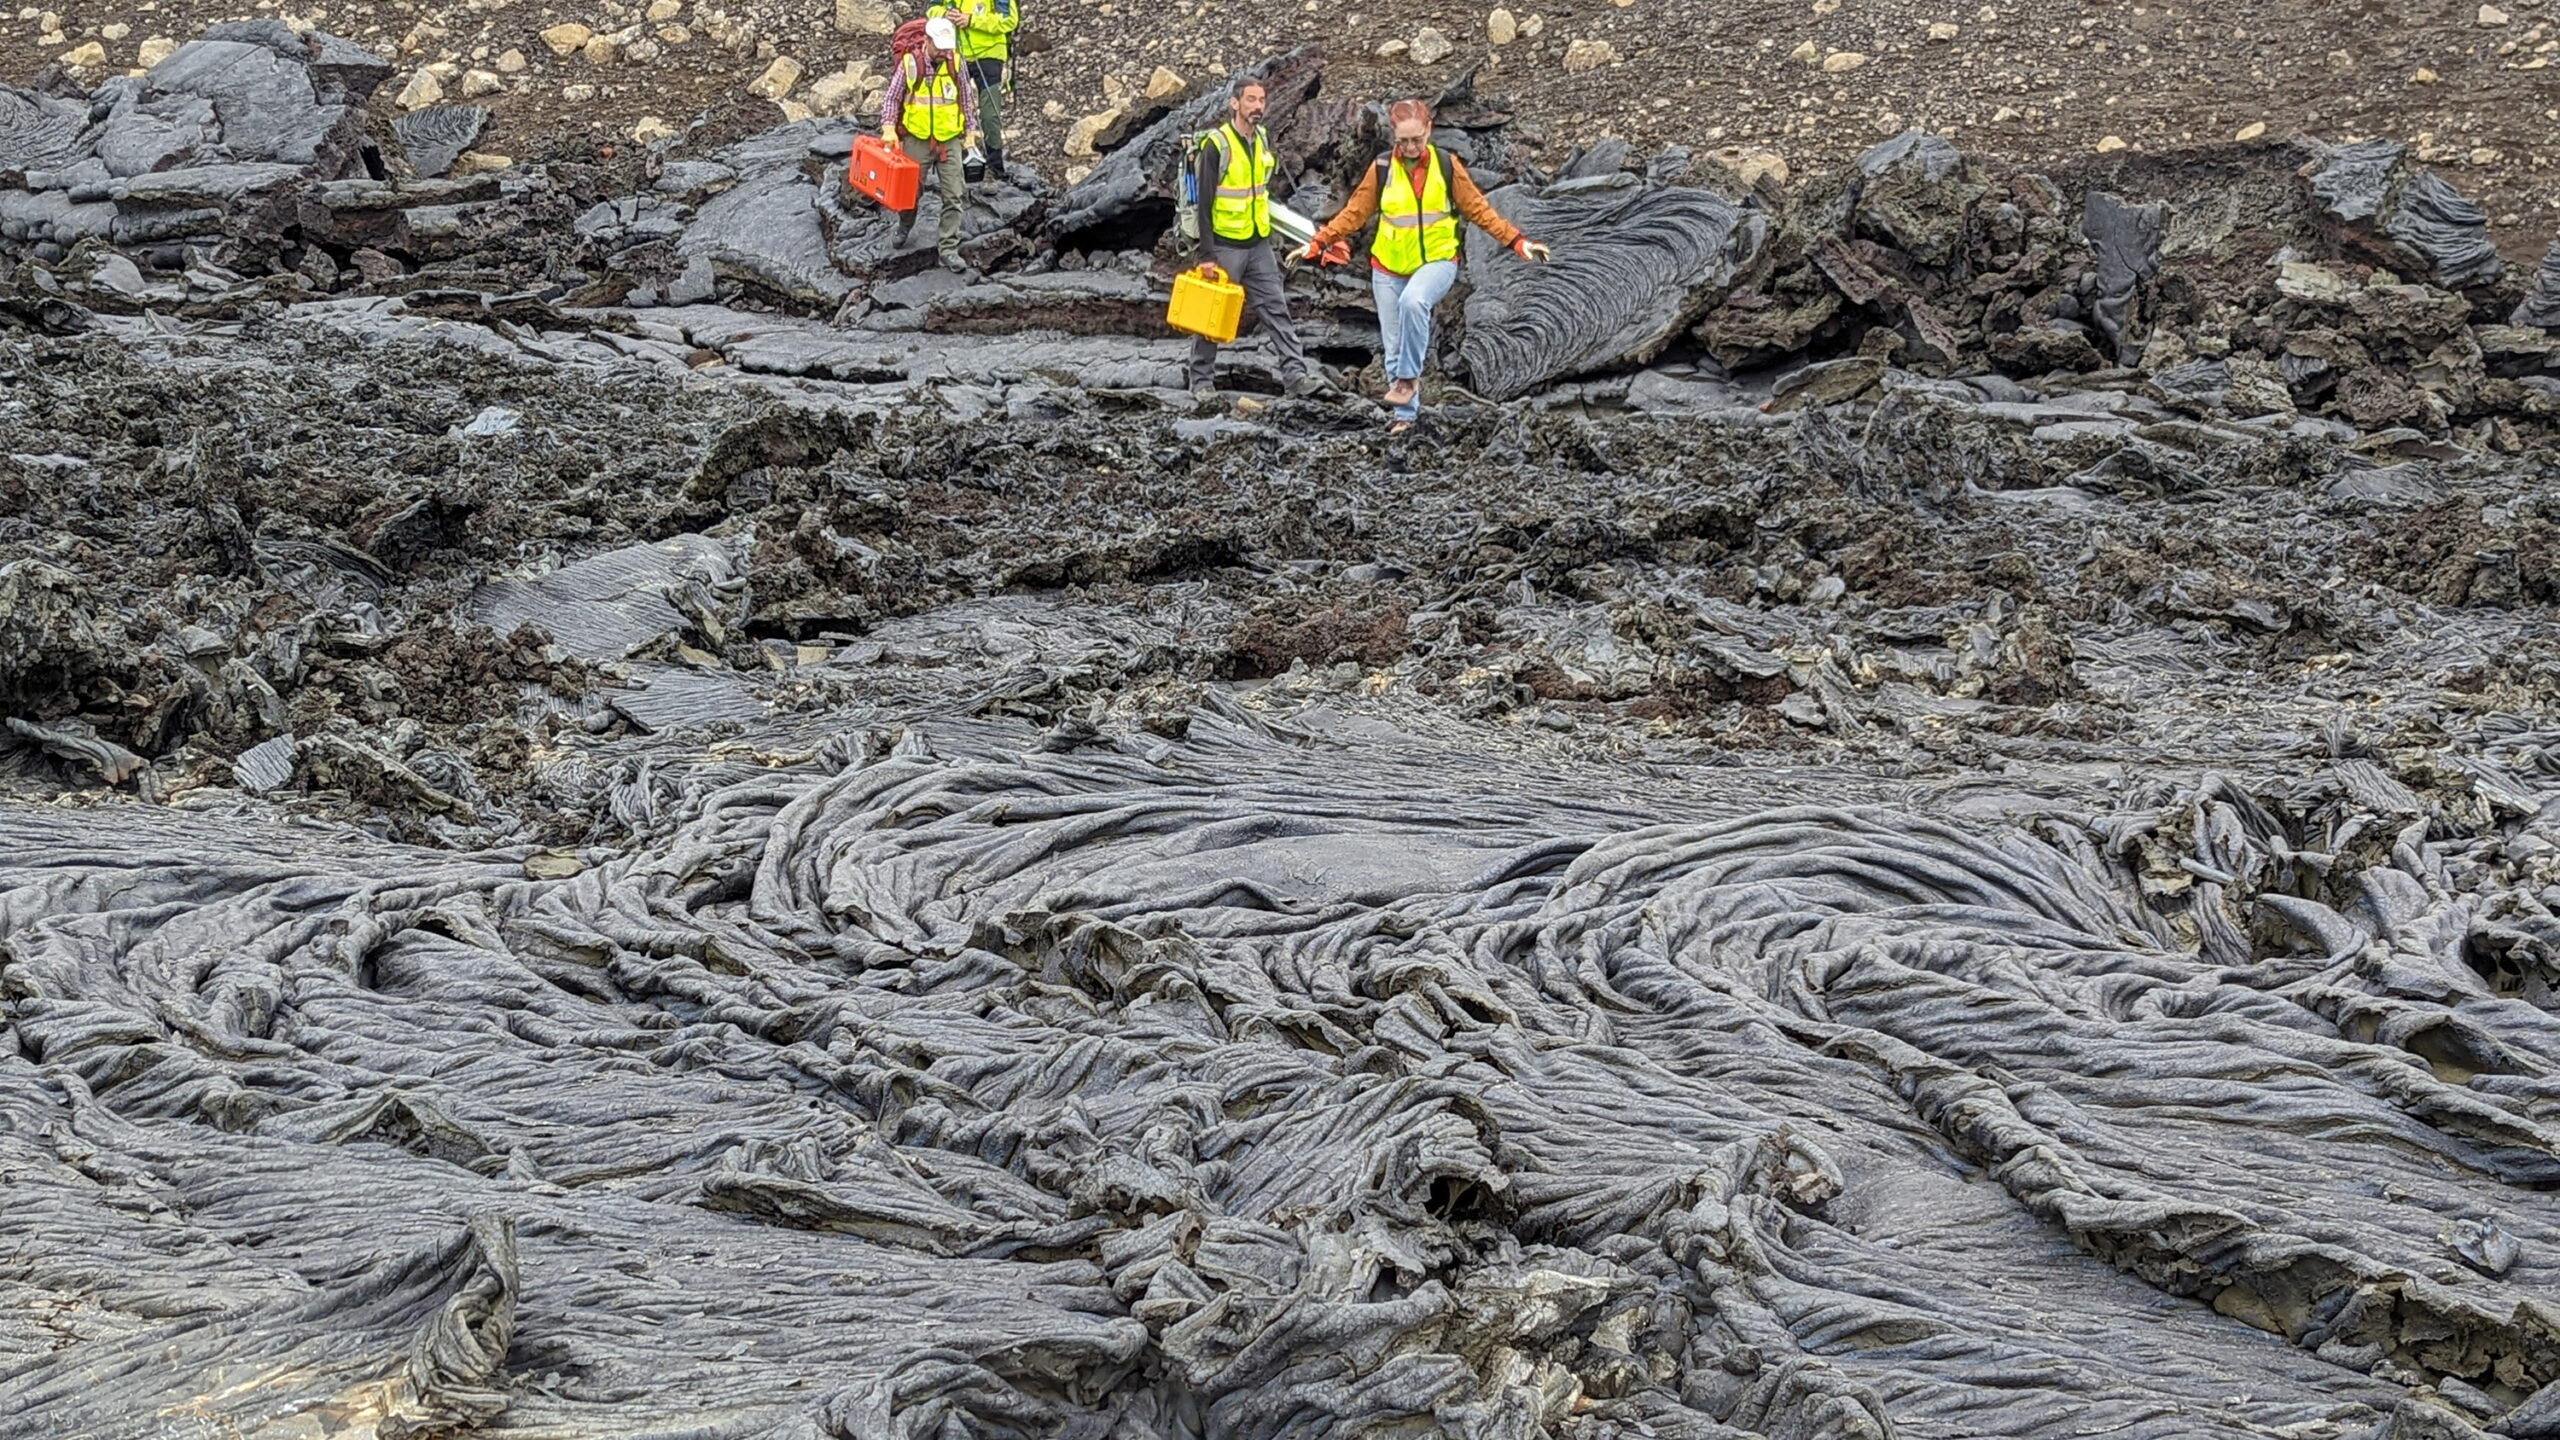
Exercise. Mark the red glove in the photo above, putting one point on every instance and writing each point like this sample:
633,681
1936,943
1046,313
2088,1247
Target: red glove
1528,249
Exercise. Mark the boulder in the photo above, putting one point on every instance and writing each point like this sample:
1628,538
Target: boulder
2125,238
2378,204
1636,263
2541,307
435,138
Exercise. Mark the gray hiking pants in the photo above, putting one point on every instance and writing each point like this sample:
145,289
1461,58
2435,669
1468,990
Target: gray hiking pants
1256,267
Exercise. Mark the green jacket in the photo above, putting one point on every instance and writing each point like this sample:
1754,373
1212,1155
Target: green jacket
986,26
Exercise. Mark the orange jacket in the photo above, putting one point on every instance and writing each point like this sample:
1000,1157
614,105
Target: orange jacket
1362,207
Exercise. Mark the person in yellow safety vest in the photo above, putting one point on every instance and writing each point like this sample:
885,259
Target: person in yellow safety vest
1417,193
929,109
1233,169
986,47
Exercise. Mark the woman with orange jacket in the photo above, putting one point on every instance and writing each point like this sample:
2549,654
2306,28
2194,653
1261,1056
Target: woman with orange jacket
1417,194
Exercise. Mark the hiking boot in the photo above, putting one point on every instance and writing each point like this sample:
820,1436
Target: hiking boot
995,165
906,232
952,262
1204,397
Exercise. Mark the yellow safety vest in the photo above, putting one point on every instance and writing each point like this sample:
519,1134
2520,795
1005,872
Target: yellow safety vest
986,26
1241,210
1414,230
933,103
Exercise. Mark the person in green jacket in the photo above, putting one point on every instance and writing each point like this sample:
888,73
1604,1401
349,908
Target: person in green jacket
986,47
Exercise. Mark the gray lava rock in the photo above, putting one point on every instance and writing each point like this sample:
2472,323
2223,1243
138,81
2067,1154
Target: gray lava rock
767,233
434,138
2541,308
266,103
1635,264
39,132
2126,239
2408,217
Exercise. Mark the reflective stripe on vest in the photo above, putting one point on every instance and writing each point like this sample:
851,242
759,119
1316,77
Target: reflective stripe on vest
932,111
1414,230
1241,210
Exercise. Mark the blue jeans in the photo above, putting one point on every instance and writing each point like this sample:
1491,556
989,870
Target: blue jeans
1404,321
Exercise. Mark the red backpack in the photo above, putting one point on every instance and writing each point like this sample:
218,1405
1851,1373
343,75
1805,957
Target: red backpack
910,40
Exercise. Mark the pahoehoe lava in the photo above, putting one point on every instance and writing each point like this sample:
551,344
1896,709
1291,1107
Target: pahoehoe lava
620,818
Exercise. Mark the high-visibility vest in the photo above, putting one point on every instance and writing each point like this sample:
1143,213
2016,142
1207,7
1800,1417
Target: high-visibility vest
1414,230
986,26
1241,210
933,102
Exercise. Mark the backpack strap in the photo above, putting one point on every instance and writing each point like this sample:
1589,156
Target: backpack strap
1440,161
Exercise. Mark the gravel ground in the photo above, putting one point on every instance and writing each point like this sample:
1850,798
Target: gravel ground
2466,84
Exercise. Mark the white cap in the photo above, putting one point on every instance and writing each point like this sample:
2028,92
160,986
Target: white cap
939,31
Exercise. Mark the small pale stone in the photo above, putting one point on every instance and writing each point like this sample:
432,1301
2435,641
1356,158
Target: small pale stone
777,79
665,9
838,94
114,32
155,50
1430,47
1165,83
793,112
1501,28
86,55
1533,27
1806,54
2110,144
2484,156
475,162
510,62
578,94
1053,110
2491,17
1584,55
601,49
1394,49
1841,62
2004,115
2424,76
674,34
1942,31
649,128
2251,131
865,17
567,38
423,90
476,83
1749,165
1079,142
1076,173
